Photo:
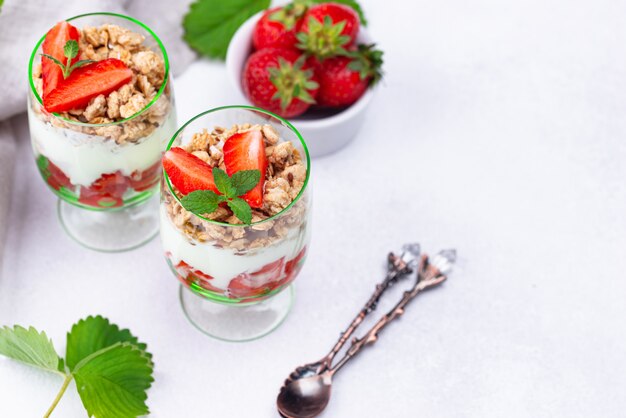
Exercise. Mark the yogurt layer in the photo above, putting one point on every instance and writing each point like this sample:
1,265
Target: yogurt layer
84,158
224,264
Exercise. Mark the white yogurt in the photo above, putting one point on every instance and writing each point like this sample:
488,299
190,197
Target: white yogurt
223,264
84,158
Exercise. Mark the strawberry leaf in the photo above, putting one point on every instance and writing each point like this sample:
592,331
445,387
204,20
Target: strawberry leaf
30,347
112,382
201,201
241,209
223,183
210,24
245,180
93,334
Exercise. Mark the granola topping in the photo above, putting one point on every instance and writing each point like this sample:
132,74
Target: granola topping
285,177
112,41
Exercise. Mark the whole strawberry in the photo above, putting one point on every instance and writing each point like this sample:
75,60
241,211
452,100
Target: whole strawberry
277,27
280,81
328,29
344,79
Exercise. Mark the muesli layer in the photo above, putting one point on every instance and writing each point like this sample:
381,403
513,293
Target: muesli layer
148,67
285,177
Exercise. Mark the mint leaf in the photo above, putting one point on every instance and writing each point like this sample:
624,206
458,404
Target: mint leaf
31,347
223,182
201,202
112,382
241,209
350,3
79,64
70,49
210,24
93,334
245,180
56,61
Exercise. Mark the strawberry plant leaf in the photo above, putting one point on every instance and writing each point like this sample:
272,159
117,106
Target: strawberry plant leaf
245,180
31,347
93,334
112,382
223,182
350,3
210,24
241,209
201,201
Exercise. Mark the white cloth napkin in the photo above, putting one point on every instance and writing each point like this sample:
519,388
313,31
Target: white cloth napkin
22,23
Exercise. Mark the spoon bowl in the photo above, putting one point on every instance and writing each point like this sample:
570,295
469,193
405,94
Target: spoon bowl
305,394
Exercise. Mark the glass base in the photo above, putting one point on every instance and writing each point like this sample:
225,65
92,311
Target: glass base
237,323
111,231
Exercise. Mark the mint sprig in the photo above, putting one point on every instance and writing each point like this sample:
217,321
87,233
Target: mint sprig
201,202
70,50
111,367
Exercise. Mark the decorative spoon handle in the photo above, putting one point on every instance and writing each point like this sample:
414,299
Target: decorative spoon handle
428,275
396,267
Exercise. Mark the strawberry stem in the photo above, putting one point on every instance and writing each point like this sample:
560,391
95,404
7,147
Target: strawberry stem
66,382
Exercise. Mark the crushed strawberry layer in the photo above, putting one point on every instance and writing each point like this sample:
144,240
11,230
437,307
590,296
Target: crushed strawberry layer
107,191
248,286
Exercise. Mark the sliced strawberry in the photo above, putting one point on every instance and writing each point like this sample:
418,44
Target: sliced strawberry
105,192
293,266
56,178
111,184
146,179
188,172
260,282
246,151
87,82
187,275
56,38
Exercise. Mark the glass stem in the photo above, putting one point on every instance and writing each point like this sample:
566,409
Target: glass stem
66,382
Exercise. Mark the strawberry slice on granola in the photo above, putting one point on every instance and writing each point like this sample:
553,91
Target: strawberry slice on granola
246,151
53,45
87,82
187,172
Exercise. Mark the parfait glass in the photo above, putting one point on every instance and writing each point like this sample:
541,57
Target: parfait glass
106,172
236,279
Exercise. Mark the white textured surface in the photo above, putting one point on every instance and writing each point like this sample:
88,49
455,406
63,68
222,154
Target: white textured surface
500,130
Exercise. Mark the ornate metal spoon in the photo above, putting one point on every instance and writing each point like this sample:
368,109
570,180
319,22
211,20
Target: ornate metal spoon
306,392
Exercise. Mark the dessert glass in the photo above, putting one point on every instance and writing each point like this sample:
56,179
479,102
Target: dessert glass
105,175
236,279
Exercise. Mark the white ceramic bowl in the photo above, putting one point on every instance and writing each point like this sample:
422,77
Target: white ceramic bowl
324,133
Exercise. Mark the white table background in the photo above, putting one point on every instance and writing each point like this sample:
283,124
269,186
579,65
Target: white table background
500,131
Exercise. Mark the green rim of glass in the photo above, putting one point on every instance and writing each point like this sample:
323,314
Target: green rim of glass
255,109
33,55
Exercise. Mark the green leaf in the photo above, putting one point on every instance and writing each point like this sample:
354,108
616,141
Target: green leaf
223,182
31,347
245,180
210,24
70,50
56,61
201,202
80,63
112,382
241,209
351,3
93,334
